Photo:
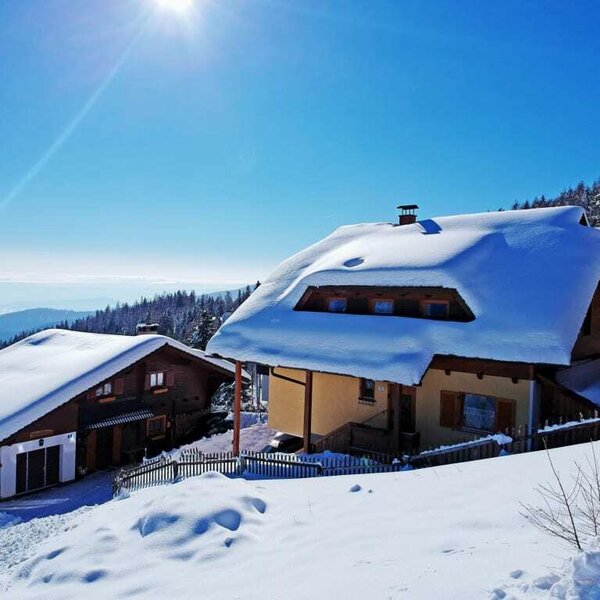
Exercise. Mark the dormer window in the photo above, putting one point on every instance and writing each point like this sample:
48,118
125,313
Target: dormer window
437,309
382,306
337,304
436,303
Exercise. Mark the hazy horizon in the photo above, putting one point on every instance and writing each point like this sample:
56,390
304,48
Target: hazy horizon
96,294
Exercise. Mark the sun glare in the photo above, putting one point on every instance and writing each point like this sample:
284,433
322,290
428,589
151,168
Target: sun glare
179,6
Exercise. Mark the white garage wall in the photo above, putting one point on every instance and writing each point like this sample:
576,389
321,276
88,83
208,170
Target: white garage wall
8,459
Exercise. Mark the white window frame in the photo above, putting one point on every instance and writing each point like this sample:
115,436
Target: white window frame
157,379
104,390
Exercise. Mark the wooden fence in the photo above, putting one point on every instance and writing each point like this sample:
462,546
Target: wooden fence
251,465
514,442
256,465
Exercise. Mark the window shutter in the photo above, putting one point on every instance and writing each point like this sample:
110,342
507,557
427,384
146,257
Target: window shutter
119,386
170,378
505,414
450,409
147,381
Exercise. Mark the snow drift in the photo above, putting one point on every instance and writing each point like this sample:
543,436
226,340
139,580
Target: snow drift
453,532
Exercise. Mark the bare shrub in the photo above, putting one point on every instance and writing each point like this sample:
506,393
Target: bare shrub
570,512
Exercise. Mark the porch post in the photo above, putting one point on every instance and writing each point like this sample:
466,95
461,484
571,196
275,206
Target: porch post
533,414
308,391
237,408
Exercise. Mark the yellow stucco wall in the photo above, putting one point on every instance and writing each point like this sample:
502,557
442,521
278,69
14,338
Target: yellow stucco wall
335,402
428,402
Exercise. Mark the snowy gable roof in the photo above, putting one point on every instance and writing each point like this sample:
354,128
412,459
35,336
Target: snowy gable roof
47,369
528,276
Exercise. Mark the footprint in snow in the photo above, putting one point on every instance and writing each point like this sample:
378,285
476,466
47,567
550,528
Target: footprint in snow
517,573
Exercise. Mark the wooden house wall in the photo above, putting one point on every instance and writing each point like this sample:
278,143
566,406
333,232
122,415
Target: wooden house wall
559,403
191,387
61,420
589,345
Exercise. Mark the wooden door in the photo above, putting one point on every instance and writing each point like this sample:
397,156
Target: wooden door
37,469
401,408
36,460
130,442
21,472
407,409
104,447
52,465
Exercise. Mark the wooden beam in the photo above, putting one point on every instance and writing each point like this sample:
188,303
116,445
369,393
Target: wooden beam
237,408
308,393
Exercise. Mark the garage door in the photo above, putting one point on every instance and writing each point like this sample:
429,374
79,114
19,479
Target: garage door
38,469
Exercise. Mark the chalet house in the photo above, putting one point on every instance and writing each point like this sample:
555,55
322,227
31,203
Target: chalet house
392,337
73,402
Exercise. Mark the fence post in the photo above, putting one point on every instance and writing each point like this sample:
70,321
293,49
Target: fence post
242,463
175,470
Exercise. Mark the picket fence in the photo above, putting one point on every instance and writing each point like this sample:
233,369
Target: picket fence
256,465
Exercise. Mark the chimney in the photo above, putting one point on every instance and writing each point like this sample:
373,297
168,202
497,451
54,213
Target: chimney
408,214
145,329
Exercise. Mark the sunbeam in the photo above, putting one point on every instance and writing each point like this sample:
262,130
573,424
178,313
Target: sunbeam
76,120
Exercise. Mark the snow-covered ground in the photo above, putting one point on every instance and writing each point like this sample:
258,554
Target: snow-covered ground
92,490
253,437
447,532
97,488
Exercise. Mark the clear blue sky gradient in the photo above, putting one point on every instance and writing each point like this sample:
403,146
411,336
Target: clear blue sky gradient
239,133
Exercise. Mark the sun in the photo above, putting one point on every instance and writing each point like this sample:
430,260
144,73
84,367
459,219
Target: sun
178,6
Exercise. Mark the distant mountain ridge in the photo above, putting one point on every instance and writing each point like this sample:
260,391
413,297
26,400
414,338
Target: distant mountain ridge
182,315
13,323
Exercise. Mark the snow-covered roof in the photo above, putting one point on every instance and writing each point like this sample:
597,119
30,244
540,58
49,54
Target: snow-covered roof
527,275
47,369
583,379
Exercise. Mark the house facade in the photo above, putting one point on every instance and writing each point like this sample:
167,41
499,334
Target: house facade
74,403
391,338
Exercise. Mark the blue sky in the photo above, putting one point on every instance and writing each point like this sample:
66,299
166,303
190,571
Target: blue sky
227,137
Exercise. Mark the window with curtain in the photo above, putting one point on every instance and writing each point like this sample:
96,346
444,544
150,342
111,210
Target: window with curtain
157,379
479,412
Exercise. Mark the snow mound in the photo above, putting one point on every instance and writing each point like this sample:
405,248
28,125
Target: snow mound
175,527
579,581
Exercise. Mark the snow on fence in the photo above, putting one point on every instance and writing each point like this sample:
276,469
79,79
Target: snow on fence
513,442
251,465
256,465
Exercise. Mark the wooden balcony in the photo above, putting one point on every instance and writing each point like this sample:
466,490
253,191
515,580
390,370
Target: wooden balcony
362,438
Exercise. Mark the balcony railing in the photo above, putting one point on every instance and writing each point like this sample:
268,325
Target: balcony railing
363,438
